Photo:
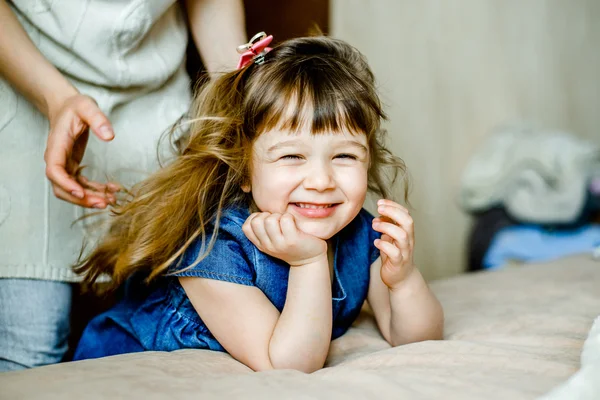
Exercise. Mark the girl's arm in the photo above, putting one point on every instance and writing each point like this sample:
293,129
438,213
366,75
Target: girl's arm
408,313
247,324
405,308
218,28
251,329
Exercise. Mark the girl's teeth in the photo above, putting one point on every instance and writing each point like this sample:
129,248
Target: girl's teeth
301,205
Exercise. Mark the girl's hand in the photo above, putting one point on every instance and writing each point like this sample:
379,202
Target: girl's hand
396,243
69,131
277,235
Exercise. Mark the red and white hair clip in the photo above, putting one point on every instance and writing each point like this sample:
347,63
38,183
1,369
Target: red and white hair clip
254,50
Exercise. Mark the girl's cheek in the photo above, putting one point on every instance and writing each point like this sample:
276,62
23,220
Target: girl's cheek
353,178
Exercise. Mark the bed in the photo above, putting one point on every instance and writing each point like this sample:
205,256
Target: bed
516,333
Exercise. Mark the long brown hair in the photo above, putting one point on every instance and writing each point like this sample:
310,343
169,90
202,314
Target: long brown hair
179,203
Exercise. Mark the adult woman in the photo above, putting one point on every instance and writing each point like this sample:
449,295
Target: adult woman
117,68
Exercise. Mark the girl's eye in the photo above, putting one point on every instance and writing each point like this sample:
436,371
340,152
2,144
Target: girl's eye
291,157
347,156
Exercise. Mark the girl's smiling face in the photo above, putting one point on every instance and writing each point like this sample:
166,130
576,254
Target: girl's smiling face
321,179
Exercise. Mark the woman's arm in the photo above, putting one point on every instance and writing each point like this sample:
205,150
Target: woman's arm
218,28
251,329
27,69
69,113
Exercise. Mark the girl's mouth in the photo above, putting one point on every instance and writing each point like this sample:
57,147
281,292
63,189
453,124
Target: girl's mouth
314,210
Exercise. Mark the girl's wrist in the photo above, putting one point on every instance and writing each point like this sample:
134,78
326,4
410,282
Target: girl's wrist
414,281
317,260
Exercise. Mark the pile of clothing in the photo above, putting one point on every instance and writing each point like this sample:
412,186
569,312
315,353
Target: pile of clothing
534,195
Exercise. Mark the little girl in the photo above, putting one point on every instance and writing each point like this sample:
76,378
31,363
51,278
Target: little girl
253,240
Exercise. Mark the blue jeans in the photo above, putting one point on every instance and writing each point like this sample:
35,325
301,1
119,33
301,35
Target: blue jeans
34,322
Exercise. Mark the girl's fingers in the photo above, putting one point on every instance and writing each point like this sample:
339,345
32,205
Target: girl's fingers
249,232
273,229
398,234
398,237
259,229
386,202
288,226
391,251
387,238
400,217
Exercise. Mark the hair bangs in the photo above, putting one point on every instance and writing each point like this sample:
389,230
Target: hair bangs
319,96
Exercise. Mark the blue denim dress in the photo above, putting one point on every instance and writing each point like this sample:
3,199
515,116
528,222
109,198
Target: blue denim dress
162,318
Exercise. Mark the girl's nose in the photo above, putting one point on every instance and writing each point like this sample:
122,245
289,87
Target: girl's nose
319,178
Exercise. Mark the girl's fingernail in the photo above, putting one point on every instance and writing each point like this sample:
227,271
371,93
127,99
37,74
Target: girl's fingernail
77,194
105,132
98,205
380,201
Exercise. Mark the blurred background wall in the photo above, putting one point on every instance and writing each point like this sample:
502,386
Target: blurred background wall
450,71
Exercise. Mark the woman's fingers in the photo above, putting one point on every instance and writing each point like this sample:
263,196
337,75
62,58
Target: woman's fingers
89,112
67,141
57,154
91,199
97,188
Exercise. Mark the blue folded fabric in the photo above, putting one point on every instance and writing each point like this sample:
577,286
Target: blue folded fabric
532,243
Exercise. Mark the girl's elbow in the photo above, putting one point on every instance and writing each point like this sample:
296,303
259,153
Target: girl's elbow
258,361
289,358
305,367
262,368
436,333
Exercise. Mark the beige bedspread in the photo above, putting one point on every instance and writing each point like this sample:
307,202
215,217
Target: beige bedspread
512,334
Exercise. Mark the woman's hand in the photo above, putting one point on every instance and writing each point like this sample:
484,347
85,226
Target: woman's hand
277,235
69,131
70,113
396,243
